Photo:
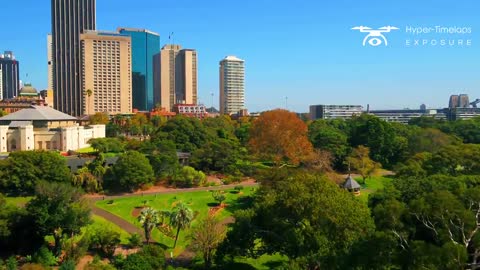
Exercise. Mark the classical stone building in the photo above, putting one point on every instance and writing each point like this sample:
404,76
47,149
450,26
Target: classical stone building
43,128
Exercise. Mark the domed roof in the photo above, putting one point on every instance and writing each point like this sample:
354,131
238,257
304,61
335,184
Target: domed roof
28,89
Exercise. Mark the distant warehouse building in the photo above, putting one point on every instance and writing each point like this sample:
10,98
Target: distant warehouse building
405,115
334,111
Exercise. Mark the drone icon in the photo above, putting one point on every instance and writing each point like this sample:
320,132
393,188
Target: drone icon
375,37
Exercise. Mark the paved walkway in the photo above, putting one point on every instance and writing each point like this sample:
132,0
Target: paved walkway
120,222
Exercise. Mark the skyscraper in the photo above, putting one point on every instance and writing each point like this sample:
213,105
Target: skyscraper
69,19
232,85
10,75
178,76
145,45
50,61
106,72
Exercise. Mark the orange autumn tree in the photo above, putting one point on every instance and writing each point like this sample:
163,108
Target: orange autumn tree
280,136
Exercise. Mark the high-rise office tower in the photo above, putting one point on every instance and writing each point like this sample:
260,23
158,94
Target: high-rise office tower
145,45
50,62
106,72
69,19
178,76
10,75
232,85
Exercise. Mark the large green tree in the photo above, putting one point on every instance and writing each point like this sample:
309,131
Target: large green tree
58,210
325,136
220,155
23,170
386,146
303,216
130,172
434,221
188,134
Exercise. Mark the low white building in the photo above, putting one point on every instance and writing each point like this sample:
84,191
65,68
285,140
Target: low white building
44,128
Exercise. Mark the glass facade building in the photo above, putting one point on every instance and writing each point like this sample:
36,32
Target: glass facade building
145,45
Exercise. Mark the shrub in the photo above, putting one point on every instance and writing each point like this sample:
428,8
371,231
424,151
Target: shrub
45,257
188,177
11,263
238,188
96,264
105,240
68,265
231,179
135,240
219,196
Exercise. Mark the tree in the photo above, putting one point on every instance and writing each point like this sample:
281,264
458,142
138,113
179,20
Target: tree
219,196
188,177
303,216
58,210
180,218
162,156
220,155
325,136
360,161
207,236
130,172
89,93
188,134
380,136
99,118
23,170
280,136
104,239
107,145
149,219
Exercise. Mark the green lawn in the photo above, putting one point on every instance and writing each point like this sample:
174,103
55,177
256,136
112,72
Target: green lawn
198,201
372,184
101,222
86,150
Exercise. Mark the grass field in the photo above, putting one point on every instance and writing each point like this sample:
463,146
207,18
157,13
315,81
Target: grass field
372,184
86,150
198,201
101,222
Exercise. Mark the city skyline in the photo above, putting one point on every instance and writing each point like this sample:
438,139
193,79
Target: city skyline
299,51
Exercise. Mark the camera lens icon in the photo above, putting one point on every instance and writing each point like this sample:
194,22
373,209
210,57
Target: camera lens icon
375,41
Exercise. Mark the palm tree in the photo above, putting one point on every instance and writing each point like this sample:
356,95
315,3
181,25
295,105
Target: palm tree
149,220
89,93
181,218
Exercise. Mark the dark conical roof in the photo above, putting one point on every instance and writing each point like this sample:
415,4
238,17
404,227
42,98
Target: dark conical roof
350,183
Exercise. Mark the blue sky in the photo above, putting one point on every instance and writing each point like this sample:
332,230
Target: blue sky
303,49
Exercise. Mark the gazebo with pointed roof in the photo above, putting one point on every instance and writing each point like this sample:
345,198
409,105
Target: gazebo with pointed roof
351,185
